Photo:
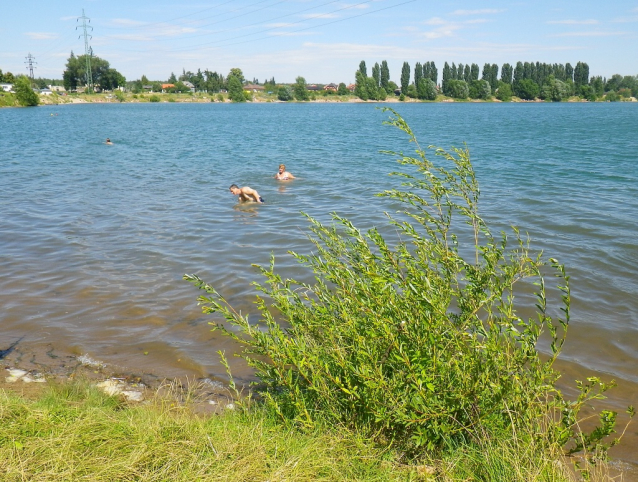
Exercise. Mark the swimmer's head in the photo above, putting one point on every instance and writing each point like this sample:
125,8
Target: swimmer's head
282,167
233,188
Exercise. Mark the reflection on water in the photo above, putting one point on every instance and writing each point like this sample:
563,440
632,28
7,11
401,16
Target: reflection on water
94,240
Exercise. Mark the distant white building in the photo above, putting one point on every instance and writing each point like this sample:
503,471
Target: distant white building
56,88
189,85
46,91
6,87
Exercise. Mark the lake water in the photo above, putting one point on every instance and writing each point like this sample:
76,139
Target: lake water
94,239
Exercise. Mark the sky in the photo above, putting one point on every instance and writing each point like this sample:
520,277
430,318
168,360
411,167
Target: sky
323,41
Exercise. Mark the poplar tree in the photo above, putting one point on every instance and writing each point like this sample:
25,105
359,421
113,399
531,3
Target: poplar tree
518,72
467,73
376,74
506,74
453,72
418,73
405,78
434,73
569,71
446,78
362,68
385,75
474,71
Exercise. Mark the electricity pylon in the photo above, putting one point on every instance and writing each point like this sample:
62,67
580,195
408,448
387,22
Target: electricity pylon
30,61
88,52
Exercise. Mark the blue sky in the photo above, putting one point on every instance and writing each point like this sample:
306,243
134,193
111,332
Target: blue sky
321,40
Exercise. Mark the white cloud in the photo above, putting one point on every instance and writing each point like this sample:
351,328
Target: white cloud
319,15
41,35
281,25
435,21
590,34
574,22
483,11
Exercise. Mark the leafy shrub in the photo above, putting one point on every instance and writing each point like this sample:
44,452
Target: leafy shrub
458,89
285,93
504,92
220,98
24,92
426,89
154,98
480,89
419,344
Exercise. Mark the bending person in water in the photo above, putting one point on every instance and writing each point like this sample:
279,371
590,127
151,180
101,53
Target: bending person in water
246,194
283,175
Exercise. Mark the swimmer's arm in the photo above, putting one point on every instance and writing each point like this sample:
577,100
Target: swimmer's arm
290,176
252,193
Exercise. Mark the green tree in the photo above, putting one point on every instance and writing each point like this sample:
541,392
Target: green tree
554,90
342,89
405,78
474,72
467,73
235,89
385,76
363,69
506,74
418,73
504,92
172,79
300,89
285,93
24,92
458,89
372,89
426,89
598,86
446,78
581,74
526,89
361,85
236,72
376,74
480,89
103,75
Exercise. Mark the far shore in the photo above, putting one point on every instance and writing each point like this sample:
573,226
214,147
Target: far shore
257,97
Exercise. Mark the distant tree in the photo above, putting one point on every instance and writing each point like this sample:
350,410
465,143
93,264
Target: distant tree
300,89
418,73
598,86
474,72
614,83
581,74
342,89
446,78
24,92
235,89
385,76
405,78
554,90
612,96
458,89
172,79
236,72
526,89
361,85
506,74
467,73
479,89
285,93
453,72
518,72
103,75
460,72
434,73
363,69
426,90
392,86
376,74
412,91
504,92
569,71
372,88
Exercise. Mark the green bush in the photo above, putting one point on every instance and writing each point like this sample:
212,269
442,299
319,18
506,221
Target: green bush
154,98
24,92
418,343
220,98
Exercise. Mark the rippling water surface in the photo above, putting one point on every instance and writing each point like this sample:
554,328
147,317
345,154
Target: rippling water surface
94,239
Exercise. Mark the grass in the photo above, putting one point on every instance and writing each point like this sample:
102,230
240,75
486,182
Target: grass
73,432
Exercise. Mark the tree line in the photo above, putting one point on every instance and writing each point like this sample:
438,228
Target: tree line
526,80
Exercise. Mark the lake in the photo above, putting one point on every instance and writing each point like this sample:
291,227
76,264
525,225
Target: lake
95,239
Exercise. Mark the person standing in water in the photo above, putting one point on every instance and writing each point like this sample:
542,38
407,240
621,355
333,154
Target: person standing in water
246,194
108,142
283,175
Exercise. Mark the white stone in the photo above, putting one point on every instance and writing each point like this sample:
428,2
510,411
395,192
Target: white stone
133,396
16,372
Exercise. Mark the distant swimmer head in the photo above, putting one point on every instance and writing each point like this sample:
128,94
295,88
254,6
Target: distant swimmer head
282,167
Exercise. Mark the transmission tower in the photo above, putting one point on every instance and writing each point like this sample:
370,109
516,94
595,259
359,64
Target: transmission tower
30,61
87,50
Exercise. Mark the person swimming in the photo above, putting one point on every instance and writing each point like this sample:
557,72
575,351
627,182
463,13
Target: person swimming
282,174
108,142
246,194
